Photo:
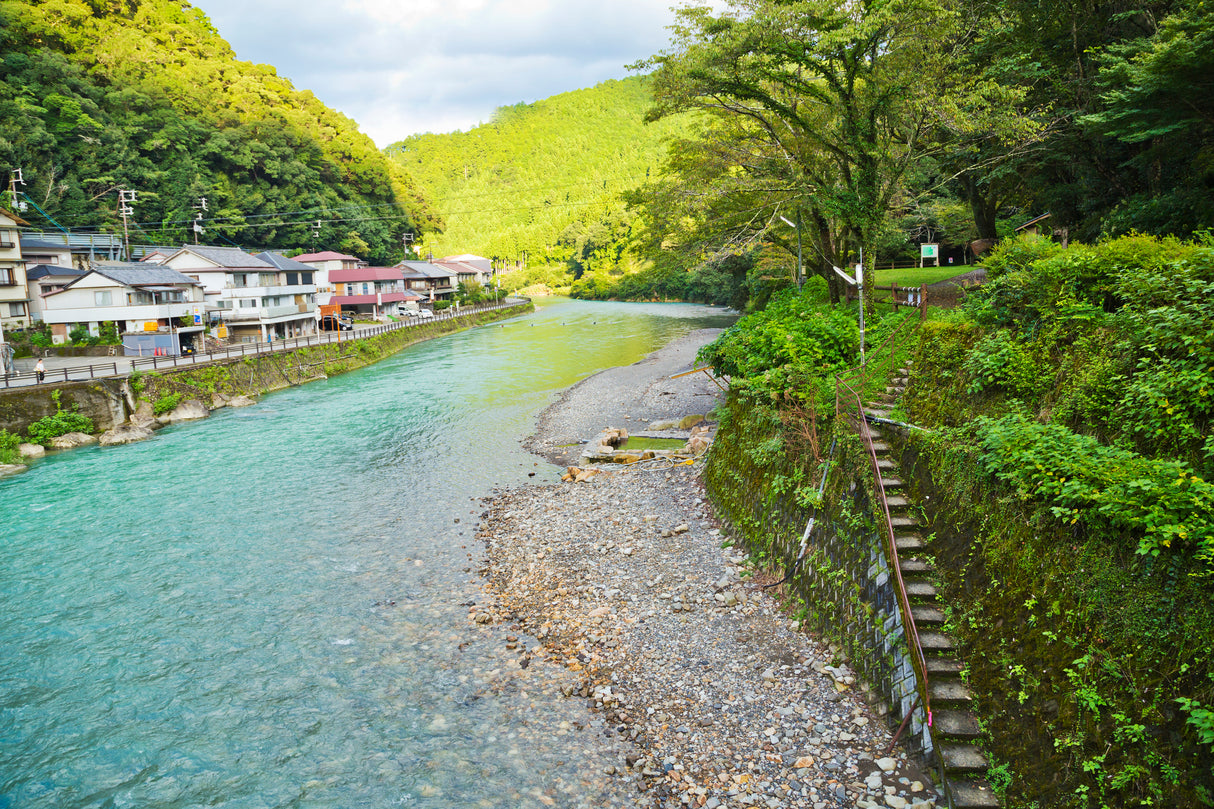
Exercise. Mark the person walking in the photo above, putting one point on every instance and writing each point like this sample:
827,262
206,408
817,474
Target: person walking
40,370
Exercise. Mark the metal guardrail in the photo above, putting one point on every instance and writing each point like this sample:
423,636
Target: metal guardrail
110,369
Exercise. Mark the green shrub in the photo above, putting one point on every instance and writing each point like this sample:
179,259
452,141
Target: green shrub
61,423
1162,503
9,454
166,403
1000,362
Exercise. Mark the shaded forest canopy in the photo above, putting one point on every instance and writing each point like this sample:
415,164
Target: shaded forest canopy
145,95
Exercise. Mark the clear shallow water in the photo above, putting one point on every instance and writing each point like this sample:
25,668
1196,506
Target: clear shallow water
268,608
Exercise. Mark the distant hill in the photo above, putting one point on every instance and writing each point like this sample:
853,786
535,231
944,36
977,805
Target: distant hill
145,95
538,175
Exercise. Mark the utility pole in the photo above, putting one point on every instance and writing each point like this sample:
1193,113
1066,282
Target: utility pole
201,207
15,179
126,199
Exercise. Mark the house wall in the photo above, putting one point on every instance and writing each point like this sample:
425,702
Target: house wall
14,308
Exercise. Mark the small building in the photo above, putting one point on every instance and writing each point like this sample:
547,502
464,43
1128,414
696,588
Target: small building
156,310
469,269
429,280
325,262
44,279
370,291
1041,226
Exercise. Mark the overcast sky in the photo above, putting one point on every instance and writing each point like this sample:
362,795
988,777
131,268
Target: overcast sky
400,67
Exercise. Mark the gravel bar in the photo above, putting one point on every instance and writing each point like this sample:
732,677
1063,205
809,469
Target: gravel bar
709,693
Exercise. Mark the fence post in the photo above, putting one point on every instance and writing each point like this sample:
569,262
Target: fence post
922,302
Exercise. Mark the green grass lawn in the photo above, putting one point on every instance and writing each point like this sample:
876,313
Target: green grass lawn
915,276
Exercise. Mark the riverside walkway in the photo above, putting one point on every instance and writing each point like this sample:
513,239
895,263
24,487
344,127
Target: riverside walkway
71,369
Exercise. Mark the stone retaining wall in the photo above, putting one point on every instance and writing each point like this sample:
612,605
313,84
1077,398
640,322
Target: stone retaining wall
844,578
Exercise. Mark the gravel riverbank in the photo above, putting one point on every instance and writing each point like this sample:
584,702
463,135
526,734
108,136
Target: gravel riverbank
709,694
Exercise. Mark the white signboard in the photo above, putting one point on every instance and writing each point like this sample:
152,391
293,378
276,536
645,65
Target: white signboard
929,250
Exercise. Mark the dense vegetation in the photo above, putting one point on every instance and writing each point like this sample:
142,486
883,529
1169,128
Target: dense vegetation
144,95
1065,470
540,185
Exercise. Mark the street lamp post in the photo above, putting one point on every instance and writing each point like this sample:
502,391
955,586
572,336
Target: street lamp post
800,265
857,282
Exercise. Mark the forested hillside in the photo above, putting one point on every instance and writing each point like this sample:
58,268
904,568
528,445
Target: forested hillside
145,95
542,181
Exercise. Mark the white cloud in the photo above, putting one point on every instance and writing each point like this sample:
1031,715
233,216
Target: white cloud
399,68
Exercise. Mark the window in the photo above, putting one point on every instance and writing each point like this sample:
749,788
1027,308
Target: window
292,279
240,279
103,298
305,278
267,279
248,303
16,310
6,277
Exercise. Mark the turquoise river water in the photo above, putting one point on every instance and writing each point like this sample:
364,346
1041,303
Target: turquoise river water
269,608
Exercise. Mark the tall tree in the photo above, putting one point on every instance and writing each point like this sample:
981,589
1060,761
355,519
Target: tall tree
849,93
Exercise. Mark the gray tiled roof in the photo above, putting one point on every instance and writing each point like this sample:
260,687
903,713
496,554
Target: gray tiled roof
36,271
139,274
228,257
284,263
426,269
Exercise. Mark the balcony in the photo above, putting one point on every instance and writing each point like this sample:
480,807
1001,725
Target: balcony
97,314
288,311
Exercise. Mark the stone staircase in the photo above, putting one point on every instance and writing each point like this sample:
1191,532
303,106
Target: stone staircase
954,728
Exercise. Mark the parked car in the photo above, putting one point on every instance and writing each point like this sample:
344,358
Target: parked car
335,323
423,313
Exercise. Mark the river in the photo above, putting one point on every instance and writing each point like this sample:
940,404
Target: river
269,608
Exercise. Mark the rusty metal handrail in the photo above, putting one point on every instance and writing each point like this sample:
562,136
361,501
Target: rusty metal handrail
844,390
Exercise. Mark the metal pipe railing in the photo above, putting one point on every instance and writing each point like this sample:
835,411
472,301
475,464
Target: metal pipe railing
110,370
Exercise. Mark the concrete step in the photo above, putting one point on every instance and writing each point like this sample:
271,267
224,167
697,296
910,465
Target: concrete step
935,642
914,565
962,759
904,522
876,412
890,482
927,615
956,724
941,667
896,502
972,793
950,694
880,448
906,542
920,589
887,464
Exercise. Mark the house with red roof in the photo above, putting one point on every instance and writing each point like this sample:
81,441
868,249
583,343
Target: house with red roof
373,291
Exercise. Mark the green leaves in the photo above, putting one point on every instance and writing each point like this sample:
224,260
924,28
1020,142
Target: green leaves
1161,503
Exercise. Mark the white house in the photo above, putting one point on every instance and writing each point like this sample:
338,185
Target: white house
155,309
253,300
326,262
14,296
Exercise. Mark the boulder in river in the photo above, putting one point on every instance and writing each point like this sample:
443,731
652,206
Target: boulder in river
188,410
125,433
72,440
